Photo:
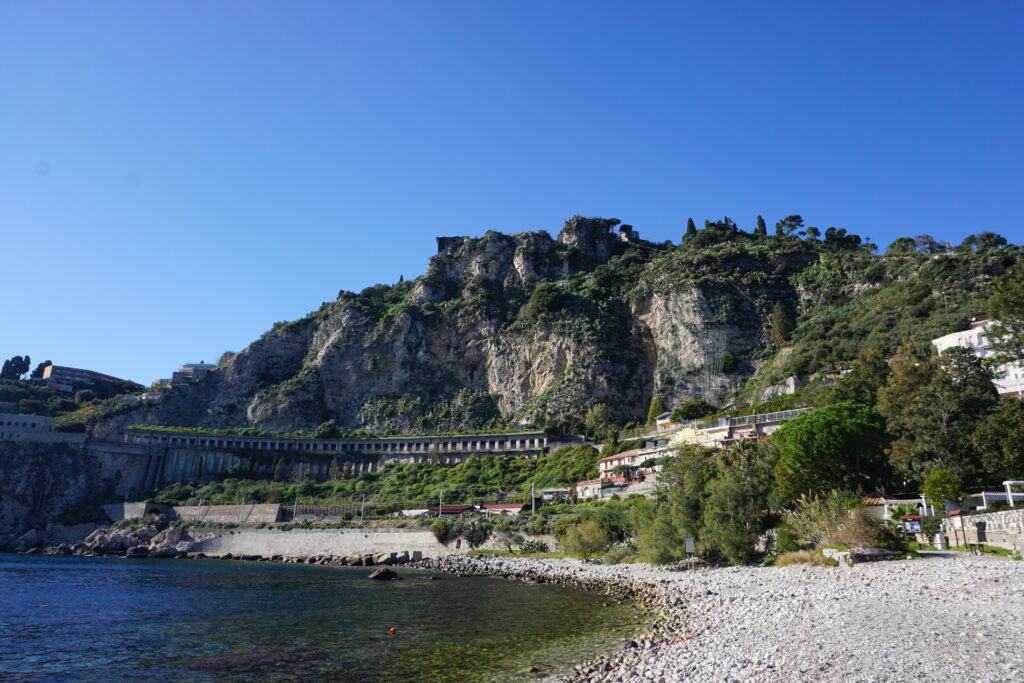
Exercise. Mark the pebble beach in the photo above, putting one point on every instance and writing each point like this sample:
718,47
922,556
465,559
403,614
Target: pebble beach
947,616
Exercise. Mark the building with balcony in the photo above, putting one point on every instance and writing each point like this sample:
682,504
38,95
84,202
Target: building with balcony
61,374
189,373
1009,379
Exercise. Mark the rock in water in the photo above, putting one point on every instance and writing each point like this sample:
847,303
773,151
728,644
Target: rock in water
383,574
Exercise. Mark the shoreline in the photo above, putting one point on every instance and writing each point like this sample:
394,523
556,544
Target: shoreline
947,616
661,616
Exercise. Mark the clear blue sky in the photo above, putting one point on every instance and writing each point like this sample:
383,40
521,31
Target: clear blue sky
176,176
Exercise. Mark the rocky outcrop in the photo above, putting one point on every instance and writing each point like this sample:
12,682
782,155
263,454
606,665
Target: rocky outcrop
145,541
790,385
42,482
501,329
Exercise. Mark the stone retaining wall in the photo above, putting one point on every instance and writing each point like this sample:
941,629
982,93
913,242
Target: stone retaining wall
1004,529
266,513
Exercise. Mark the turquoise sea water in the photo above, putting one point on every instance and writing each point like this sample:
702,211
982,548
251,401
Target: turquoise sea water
101,619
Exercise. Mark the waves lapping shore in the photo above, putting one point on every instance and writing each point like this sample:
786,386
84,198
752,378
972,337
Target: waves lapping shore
947,617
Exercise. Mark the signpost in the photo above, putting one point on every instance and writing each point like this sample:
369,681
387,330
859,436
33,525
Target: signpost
911,525
957,522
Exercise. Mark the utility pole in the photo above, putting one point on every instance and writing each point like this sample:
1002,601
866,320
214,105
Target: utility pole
362,511
440,501
533,498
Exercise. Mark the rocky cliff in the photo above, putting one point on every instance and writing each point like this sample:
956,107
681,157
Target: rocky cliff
526,328
45,482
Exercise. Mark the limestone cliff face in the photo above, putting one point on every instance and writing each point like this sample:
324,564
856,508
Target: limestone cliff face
692,337
500,329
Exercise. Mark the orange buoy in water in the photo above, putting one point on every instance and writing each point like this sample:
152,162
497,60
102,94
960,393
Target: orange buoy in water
392,630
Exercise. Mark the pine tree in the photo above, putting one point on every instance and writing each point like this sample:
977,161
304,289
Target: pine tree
789,225
761,229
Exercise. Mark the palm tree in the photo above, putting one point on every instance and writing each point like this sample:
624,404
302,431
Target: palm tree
901,509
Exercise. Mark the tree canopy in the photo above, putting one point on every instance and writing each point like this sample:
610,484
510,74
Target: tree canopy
1007,307
835,447
15,367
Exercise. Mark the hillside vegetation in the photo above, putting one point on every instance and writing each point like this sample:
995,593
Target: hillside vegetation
506,330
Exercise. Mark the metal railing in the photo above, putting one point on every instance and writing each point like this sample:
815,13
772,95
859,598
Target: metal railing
767,417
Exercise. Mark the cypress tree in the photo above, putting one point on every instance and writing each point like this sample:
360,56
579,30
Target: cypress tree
778,324
691,228
656,409
762,229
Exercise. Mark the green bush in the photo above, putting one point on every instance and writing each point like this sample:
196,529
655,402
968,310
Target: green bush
617,554
931,525
443,528
692,410
533,546
839,519
812,557
85,396
584,539
785,539
476,533
562,524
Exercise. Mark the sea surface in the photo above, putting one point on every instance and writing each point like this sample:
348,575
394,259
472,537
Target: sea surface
111,619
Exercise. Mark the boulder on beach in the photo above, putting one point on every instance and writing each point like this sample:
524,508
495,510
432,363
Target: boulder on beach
168,537
383,574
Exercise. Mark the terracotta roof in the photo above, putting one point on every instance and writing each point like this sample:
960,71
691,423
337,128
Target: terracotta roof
623,454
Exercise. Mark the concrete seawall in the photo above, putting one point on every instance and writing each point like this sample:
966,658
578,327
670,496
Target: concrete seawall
337,542
311,542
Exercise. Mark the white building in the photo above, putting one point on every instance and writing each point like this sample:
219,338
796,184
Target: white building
1009,379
